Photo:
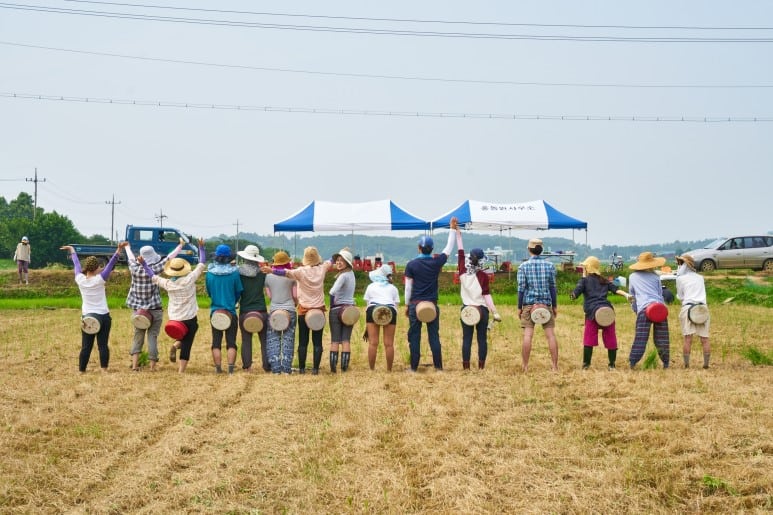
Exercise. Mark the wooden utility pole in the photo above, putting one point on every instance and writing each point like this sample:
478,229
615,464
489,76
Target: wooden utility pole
160,217
112,216
36,181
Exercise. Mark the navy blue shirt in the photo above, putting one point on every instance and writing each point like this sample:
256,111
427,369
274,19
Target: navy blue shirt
595,293
425,271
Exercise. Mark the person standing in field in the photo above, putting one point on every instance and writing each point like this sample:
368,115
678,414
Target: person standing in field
310,277
253,300
91,280
537,288
644,286
595,288
224,287
280,344
143,294
183,307
475,292
381,292
341,297
421,284
22,257
691,291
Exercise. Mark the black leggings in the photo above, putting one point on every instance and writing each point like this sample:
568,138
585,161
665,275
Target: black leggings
87,342
303,343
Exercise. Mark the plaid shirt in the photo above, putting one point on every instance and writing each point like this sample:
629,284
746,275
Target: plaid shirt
536,277
143,294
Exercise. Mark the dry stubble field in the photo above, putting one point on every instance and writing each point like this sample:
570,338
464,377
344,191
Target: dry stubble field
646,441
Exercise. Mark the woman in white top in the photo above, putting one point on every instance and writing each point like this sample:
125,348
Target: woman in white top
381,292
91,283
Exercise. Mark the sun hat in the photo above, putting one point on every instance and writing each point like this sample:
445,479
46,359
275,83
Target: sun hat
345,255
24,238
688,260
386,270
222,251
534,243
149,254
252,253
426,244
177,267
280,258
311,256
647,261
592,265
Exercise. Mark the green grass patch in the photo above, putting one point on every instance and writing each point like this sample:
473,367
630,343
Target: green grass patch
650,360
757,357
712,485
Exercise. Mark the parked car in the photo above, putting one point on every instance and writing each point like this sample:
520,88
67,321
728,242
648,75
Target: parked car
736,252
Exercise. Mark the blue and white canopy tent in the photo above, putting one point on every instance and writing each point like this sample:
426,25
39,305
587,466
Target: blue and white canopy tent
377,215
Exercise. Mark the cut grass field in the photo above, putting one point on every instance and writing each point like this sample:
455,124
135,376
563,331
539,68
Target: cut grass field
493,441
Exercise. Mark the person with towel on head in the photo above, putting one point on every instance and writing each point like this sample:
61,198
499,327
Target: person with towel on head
22,257
310,277
691,291
595,288
474,282
421,284
537,287
647,293
224,287
91,283
183,307
341,297
253,300
381,293
280,344
143,294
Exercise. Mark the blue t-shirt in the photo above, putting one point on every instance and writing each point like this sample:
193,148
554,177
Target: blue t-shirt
425,271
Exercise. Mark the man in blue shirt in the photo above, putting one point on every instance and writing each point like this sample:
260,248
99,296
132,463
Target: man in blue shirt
421,284
537,290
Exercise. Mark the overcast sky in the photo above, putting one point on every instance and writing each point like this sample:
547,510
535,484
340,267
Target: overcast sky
207,169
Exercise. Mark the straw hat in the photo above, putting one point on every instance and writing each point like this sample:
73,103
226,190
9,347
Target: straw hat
177,267
346,255
252,253
311,256
688,260
592,265
280,258
647,261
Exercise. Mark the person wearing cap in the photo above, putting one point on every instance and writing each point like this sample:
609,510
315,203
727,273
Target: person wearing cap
280,345
381,292
595,288
252,299
22,257
91,279
645,288
421,284
310,277
537,285
341,297
143,294
691,291
224,287
180,285
474,282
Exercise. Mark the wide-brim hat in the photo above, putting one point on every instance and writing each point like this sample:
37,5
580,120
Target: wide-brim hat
592,265
311,256
647,261
150,255
686,259
345,255
252,253
280,258
177,267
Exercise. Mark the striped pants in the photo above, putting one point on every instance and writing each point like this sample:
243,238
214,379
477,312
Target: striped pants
280,347
660,336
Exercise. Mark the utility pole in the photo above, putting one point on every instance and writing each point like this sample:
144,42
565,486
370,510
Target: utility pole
160,217
237,235
36,181
112,216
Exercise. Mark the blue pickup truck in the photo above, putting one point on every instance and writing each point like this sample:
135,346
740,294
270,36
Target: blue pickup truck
163,239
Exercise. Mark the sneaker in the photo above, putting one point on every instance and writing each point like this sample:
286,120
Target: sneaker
173,353
611,367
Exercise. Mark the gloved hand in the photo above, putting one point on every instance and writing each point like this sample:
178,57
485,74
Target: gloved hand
497,317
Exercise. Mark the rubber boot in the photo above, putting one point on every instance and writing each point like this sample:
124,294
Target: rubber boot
481,364
317,359
334,362
465,365
345,357
612,354
587,354
302,359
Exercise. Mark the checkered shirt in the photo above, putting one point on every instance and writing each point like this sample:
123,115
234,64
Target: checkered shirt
535,279
143,294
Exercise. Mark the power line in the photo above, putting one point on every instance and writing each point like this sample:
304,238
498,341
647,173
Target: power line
393,77
403,114
386,32
418,20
